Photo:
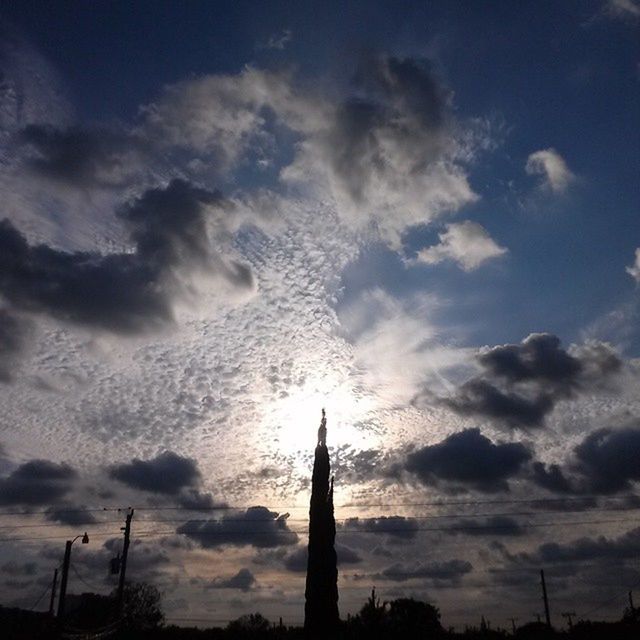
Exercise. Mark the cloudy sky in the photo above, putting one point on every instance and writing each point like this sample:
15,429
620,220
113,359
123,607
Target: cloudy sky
218,218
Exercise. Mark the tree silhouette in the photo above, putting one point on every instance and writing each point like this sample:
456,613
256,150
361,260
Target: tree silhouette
401,618
141,607
249,625
321,617
410,618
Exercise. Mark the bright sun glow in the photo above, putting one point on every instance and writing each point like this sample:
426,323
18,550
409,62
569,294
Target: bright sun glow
296,418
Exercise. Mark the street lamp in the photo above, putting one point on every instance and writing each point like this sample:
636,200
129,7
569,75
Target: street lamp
65,571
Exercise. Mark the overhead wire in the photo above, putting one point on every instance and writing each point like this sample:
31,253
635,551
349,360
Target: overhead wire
391,529
85,582
466,514
604,603
364,529
354,505
359,530
37,602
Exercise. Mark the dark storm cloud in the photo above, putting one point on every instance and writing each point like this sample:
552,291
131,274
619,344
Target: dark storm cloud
167,473
610,458
13,334
408,83
198,500
146,559
468,458
492,526
399,109
538,357
257,526
347,555
521,383
567,504
83,158
66,513
626,546
36,482
169,225
244,580
296,561
479,397
121,292
118,292
449,571
552,477
392,526
13,568
606,461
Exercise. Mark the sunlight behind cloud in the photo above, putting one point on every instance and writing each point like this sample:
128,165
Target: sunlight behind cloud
295,418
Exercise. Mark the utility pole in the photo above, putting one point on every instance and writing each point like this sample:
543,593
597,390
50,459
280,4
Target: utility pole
123,562
65,576
569,615
631,601
54,584
65,572
513,625
544,597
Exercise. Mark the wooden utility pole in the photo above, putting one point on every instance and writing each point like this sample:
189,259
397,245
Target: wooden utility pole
54,584
65,577
569,615
513,625
545,599
631,601
123,561
65,572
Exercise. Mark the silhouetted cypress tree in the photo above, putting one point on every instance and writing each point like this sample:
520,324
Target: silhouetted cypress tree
321,608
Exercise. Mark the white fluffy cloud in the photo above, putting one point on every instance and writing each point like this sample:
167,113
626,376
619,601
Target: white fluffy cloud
466,243
224,117
549,164
625,9
397,346
634,269
389,154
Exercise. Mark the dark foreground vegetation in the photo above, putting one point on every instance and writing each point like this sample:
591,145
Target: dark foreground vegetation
91,617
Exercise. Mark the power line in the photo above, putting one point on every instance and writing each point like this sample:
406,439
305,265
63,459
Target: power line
465,514
37,602
369,529
88,584
604,603
437,503
49,510
486,514
56,524
393,529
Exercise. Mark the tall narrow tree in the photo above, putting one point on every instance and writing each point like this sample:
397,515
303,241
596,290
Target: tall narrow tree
321,608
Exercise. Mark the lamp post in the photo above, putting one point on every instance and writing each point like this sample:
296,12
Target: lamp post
65,572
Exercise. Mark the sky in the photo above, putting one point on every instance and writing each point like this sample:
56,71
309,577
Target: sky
218,218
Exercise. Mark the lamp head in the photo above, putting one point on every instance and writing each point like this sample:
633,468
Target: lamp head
85,538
